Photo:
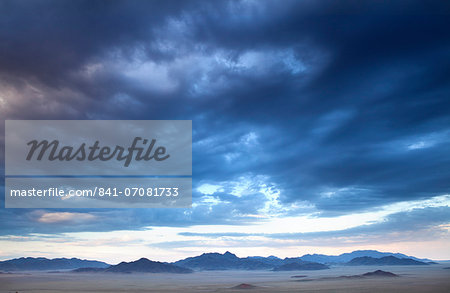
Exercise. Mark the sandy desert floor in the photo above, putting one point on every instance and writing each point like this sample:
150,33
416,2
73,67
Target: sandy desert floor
433,278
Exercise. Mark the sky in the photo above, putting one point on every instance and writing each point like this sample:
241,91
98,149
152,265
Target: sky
318,126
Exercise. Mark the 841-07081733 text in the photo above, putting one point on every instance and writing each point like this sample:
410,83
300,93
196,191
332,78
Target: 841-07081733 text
99,191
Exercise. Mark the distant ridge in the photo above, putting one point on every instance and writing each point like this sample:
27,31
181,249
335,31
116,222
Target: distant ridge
387,260
271,261
380,273
217,261
43,264
142,265
301,266
346,257
244,286
375,274
88,270
229,261
214,261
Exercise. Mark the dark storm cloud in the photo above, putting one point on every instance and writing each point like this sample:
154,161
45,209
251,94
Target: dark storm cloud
344,106
44,39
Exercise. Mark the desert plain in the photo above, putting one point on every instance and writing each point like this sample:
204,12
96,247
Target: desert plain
433,278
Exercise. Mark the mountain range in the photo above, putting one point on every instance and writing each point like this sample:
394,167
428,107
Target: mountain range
384,261
301,266
142,265
43,264
229,261
215,261
346,257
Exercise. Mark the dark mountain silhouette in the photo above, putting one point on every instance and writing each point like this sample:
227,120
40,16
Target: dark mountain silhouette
226,261
142,265
375,274
346,257
41,263
274,261
229,261
379,273
147,266
270,260
299,276
209,261
301,266
387,260
244,286
88,270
